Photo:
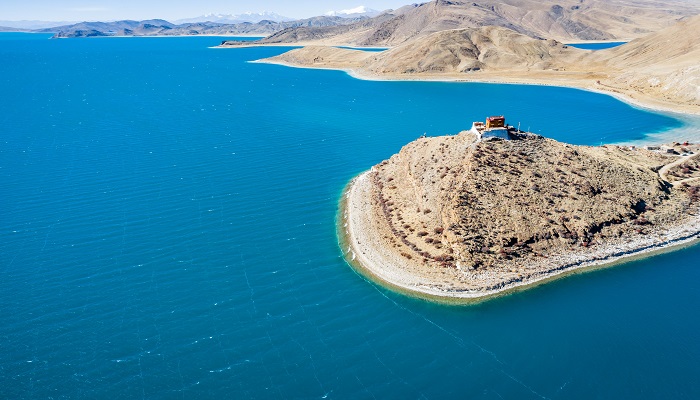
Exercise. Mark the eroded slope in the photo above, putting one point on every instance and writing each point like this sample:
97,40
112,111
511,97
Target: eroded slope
456,214
563,20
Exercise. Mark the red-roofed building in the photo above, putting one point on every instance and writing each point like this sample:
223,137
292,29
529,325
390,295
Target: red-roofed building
496,122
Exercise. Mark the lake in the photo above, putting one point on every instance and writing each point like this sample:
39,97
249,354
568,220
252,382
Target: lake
167,231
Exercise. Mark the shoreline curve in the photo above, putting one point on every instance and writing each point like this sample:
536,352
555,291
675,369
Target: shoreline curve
648,105
355,245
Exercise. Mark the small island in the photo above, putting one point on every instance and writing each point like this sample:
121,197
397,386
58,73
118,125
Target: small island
494,209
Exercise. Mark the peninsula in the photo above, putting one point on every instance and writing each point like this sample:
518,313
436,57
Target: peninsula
492,210
659,70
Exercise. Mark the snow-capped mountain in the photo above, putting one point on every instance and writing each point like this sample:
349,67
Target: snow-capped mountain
359,11
236,18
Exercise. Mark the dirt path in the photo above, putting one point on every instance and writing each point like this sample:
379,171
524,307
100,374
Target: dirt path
663,172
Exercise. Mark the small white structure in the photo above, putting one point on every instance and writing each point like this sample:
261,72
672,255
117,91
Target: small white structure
495,127
495,133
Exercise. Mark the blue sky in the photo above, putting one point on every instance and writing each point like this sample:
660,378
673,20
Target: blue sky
93,10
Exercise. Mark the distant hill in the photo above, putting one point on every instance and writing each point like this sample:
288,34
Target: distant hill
665,64
566,20
342,34
660,69
474,49
29,25
10,29
458,51
236,18
165,28
117,28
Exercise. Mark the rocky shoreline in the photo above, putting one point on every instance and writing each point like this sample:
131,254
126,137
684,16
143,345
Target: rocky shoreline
369,244
361,252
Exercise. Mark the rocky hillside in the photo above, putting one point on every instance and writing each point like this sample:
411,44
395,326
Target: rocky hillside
665,64
474,49
488,48
323,57
457,207
563,20
660,70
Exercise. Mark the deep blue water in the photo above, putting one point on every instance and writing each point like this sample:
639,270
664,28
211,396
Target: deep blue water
167,231
596,46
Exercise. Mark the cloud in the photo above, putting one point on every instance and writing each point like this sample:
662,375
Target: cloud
359,10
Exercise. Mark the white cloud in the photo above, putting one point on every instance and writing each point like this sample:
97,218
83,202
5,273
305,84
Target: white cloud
359,10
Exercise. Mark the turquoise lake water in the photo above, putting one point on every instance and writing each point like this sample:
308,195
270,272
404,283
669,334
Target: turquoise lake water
167,232
596,46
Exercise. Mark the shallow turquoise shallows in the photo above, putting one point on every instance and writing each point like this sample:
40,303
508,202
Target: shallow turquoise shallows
167,232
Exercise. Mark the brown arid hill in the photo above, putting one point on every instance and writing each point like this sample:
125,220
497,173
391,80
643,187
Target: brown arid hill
665,65
563,20
458,51
457,216
658,71
474,49
323,57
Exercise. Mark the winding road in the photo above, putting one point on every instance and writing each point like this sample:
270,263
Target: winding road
663,172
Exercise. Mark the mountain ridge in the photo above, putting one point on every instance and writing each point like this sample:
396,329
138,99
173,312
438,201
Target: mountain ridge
231,19
165,28
354,12
659,70
566,20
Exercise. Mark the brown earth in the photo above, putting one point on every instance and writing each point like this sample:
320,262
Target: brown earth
660,70
564,20
686,169
456,214
664,65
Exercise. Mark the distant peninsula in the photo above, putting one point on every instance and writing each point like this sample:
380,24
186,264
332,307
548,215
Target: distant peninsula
463,217
658,71
517,41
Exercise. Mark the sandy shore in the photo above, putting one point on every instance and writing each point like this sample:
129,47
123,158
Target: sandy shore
598,41
370,257
297,44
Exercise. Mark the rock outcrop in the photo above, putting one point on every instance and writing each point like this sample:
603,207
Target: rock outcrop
457,214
